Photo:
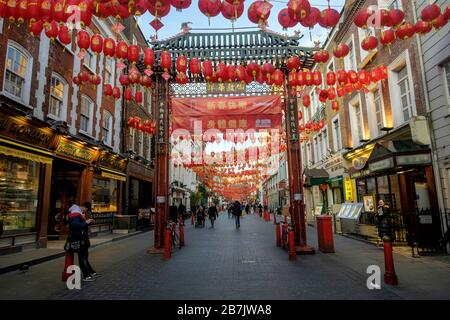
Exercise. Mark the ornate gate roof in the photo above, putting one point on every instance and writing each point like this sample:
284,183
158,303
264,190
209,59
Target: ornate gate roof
262,45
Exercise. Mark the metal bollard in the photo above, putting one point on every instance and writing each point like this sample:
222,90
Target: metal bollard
278,234
181,234
283,234
68,262
292,250
389,270
167,243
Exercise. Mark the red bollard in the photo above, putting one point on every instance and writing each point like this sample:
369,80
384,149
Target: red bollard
167,243
68,262
278,234
181,234
285,219
389,270
274,218
292,250
192,219
283,234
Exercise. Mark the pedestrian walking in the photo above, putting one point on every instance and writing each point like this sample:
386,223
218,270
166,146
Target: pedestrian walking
230,211
237,211
247,209
212,214
260,210
384,220
86,209
78,241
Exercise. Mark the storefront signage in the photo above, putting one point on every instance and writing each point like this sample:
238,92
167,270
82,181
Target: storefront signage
113,161
113,176
21,130
335,182
292,118
348,187
75,151
335,163
229,87
359,163
413,159
381,165
162,125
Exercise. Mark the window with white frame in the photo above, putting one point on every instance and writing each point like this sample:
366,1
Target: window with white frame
309,153
141,143
319,147
58,97
149,101
90,58
1,25
18,69
109,71
350,59
324,143
107,127
405,93
379,112
132,139
356,120
316,155
86,115
149,148
358,117
446,71
337,142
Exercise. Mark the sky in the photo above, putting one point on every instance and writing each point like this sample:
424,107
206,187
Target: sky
172,22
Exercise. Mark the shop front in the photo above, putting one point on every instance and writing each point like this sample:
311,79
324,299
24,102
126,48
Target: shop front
138,194
400,174
316,185
25,176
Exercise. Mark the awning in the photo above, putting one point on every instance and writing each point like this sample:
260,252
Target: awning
24,155
336,182
113,175
314,177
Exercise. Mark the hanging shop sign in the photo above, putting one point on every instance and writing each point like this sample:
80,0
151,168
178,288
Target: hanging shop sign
112,161
20,129
381,165
225,88
359,163
348,188
76,151
413,159
162,125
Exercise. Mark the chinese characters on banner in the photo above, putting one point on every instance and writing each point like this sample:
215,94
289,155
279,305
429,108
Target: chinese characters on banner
162,122
292,118
225,87
258,112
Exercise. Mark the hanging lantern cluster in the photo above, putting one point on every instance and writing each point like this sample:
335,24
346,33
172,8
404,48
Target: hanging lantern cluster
146,126
85,77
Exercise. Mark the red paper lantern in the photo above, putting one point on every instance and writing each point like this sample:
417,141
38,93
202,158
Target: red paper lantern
252,69
292,78
105,9
122,50
357,86
207,69
278,77
385,18
108,90
375,74
422,27
260,78
349,88
405,31
298,9
352,76
396,16
36,28
447,13
181,64
306,100
109,47
64,35
195,67
116,93
52,31
97,43
321,56
364,77
46,13
58,11
138,97
335,106
285,20
308,125
341,50
149,58
232,11
210,8
293,63
331,93
387,37
231,73
34,10
124,80
85,13
158,8
383,72
301,127
301,81
84,76
430,12
331,78
180,4
21,11
309,80
165,60
259,12
340,91
369,43
311,19
134,76
323,96
241,73
222,72
361,17
133,53
268,69
95,79
76,80
146,81
329,18
342,77
128,94
317,78
439,22
138,8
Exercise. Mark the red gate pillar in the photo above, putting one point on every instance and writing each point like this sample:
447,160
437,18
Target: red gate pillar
295,173
162,163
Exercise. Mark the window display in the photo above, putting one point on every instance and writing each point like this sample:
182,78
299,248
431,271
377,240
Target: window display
19,186
104,199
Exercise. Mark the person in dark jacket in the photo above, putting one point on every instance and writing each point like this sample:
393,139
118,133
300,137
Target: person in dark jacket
77,232
260,210
86,208
237,211
212,214
384,220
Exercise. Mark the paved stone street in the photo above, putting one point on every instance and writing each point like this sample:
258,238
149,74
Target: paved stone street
225,263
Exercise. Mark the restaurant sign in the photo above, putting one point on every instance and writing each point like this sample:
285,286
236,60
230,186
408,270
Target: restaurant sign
76,151
228,87
413,159
381,165
113,161
348,187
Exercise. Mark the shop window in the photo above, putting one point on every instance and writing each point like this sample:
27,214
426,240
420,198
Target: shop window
405,93
316,156
86,114
58,98
319,147
17,81
379,112
90,59
356,121
395,192
141,143
149,101
383,185
325,143
309,154
446,72
131,146
107,128
19,189
337,141
371,186
104,195
350,59
361,189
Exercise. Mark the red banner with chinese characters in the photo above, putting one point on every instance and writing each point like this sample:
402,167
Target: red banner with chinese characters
254,112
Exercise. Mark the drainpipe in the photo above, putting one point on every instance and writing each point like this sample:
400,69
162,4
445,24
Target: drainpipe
437,176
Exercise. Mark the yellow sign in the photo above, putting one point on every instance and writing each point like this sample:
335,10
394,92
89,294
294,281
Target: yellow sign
24,155
348,186
113,176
